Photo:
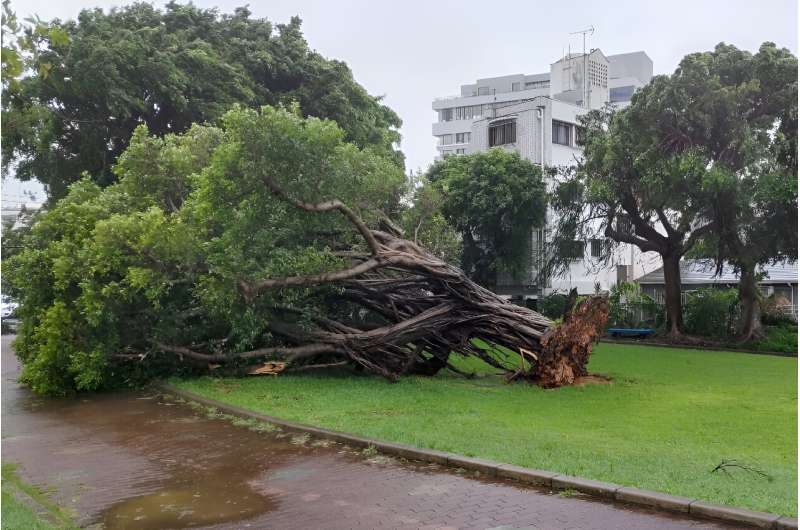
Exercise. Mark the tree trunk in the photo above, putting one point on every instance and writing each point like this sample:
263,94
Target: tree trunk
750,328
672,294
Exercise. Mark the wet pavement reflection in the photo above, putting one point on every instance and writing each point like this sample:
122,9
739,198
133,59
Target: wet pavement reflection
142,460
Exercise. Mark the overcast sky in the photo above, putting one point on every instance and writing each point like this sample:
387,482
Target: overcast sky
412,51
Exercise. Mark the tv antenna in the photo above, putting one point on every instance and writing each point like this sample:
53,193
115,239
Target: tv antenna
590,31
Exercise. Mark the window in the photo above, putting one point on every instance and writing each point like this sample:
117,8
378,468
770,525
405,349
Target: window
536,84
515,86
445,154
462,138
484,91
446,139
600,248
461,151
461,113
561,132
502,132
622,93
571,249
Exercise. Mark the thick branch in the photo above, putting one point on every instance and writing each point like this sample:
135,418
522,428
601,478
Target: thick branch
695,236
313,279
644,244
671,232
292,354
326,206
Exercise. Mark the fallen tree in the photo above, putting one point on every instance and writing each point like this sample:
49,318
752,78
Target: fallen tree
429,309
225,250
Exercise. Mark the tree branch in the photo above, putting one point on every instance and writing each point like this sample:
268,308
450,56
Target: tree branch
249,290
293,353
695,235
326,206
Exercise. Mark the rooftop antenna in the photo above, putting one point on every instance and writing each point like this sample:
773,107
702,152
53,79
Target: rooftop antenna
590,31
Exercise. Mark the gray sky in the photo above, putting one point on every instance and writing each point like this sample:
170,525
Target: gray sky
414,50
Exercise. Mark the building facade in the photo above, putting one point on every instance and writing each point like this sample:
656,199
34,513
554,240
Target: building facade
538,116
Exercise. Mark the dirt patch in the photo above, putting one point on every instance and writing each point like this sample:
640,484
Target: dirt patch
592,379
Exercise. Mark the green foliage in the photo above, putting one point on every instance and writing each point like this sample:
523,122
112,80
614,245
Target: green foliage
666,419
493,199
158,255
552,306
712,312
780,338
86,84
424,223
629,307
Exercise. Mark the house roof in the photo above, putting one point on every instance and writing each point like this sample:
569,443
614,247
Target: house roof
701,272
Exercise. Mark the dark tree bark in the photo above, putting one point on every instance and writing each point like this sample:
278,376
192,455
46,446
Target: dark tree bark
672,294
750,328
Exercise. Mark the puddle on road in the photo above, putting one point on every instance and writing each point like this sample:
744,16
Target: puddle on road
187,508
152,463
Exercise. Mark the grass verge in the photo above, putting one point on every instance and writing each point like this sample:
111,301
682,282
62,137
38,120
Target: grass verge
25,507
669,417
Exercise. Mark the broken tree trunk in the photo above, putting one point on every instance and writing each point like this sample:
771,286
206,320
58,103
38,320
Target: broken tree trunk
422,310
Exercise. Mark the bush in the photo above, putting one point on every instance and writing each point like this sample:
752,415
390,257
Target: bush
772,311
552,305
781,338
711,312
629,307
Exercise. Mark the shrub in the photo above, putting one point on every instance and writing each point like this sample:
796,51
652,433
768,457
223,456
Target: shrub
772,310
711,312
630,307
552,305
781,338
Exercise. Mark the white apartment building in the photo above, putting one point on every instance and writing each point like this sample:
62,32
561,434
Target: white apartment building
537,116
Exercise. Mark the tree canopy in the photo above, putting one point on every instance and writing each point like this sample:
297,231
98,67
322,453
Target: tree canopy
493,200
651,172
158,256
76,90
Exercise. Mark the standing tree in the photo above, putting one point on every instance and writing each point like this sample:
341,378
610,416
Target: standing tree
493,199
425,225
81,87
755,213
650,170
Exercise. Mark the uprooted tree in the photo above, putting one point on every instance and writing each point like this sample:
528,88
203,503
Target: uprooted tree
263,245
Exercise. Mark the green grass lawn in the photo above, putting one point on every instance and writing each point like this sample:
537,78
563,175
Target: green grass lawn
667,419
19,515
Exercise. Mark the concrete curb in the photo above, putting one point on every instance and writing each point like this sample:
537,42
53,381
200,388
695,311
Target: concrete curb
604,490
